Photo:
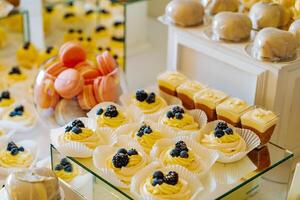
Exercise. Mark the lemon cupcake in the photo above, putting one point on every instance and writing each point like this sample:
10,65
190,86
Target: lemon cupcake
16,75
66,171
186,92
164,183
181,120
185,152
118,164
169,81
70,20
90,18
6,99
27,55
231,111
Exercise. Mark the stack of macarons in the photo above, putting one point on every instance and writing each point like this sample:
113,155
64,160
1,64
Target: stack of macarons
72,76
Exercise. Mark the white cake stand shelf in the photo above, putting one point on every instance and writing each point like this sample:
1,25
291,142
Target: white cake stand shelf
228,67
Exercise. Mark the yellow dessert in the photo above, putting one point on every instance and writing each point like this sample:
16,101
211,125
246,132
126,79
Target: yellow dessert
14,22
65,170
90,45
47,54
126,163
166,187
110,117
177,118
27,55
148,102
6,99
20,115
104,14
15,157
119,25
225,140
77,132
169,81
117,42
100,32
90,16
3,38
70,18
147,137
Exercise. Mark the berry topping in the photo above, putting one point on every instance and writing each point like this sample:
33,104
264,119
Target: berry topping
78,123
71,30
151,98
21,149
158,175
19,108
26,45
145,129
88,12
18,111
170,114
5,95
14,151
141,95
64,162
175,152
184,154
219,133
148,130
118,39
132,152
122,150
177,109
89,39
68,15
10,146
156,181
15,70
116,56
171,178
181,145
103,11
221,126
79,31
100,28
120,160
108,49
76,130
49,9
111,111
228,131
49,49
68,128
118,23
100,111
58,167
178,116
100,49
68,168
80,38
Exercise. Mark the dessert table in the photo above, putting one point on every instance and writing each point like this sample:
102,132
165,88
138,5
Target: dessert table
238,180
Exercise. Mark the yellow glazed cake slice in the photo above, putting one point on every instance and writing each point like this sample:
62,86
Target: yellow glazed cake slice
110,117
224,140
148,103
207,100
261,121
186,92
77,132
177,118
15,157
169,81
231,110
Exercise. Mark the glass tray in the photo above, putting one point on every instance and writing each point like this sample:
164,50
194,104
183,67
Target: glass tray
227,181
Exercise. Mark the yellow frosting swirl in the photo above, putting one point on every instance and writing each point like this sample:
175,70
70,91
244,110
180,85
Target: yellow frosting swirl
227,144
148,140
22,159
136,162
67,176
6,102
186,123
149,108
17,77
113,122
191,163
87,137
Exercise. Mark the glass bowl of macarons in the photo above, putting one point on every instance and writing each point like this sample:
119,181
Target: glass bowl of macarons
71,83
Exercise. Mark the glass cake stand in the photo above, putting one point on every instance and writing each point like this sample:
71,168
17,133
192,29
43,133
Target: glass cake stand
238,180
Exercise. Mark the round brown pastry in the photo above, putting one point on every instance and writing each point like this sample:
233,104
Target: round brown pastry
274,45
269,15
295,29
231,26
213,7
38,183
185,12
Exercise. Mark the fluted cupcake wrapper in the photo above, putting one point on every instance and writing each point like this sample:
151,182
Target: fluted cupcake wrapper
29,145
130,129
9,132
102,153
138,180
198,115
126,100
251,139
206,157
131,112
77,149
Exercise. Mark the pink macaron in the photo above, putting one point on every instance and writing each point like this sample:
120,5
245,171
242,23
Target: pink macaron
46,96
88,71
55,69
86,98
69,83
72,53
106,63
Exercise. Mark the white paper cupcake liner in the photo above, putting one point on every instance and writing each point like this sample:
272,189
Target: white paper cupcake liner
194,184
77,149
101,153
251,139
29,145
21,126
9,132
131,112
126,100
198,115
207,157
